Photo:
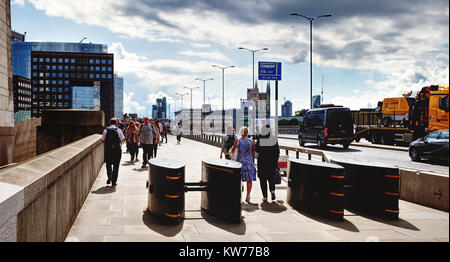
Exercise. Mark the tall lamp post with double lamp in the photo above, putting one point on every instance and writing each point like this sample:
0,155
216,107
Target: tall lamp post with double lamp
223,94
253,54
204,88
311,19
191,125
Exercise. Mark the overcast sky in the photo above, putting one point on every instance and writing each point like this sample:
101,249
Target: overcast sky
366,51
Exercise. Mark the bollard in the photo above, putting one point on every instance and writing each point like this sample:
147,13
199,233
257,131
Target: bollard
371,188
166,189
222,198
316,187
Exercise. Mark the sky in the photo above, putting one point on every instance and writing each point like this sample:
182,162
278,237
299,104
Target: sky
364,52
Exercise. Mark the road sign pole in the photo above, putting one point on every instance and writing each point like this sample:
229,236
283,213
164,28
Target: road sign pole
276,109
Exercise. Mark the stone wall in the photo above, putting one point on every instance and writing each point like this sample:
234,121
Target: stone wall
40,198
6,87
60,127
25,139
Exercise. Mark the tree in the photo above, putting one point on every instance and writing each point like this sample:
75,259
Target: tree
300,112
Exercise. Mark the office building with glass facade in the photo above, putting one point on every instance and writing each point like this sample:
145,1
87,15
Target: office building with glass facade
118,97
22,98
55,68
286,109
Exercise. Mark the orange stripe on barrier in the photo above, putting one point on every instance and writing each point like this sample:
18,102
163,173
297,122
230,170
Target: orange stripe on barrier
336,194
392,211
221,169
392,176
392,194
337,212
170,215
172,196
338,176
173,177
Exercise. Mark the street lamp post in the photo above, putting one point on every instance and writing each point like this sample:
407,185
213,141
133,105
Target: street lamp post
204,89
253,54
311,19
182,94
191,125
223,95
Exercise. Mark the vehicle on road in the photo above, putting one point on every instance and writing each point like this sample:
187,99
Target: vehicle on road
328,125
401,120
434,146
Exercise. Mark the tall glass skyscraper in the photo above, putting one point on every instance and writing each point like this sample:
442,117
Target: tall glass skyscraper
118,97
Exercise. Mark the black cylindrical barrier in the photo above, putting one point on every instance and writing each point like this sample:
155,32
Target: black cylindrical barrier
316,187
371,188
166,189
222,198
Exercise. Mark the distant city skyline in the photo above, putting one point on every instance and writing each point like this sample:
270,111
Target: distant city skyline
367,50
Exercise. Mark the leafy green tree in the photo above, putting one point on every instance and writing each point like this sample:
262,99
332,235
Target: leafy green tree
300,112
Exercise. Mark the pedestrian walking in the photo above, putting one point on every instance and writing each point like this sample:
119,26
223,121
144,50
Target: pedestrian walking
268,153
179,126
160,126
112,138
165,131
146,136
156,138
228,141
246,153
133,140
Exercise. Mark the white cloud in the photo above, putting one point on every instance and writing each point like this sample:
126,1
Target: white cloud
18,2
132,106
208,55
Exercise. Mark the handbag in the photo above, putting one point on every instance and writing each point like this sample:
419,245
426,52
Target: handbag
277,176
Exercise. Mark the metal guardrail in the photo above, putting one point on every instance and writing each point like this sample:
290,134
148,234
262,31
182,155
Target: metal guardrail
216,140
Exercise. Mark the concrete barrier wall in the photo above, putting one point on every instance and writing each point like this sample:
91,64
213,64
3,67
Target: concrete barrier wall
25,139
40,198
425,188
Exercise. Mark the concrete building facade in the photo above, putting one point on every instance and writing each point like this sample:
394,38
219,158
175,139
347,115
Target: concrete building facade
6,86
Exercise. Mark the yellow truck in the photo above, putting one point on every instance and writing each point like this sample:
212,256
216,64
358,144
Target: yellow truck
401,120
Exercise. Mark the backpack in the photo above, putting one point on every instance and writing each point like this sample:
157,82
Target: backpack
112,140
229,142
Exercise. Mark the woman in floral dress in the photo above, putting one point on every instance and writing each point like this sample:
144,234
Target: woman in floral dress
246,152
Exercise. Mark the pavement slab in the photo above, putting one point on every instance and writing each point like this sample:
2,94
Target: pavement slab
119,214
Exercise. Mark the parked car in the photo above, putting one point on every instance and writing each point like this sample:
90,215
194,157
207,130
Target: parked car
434,146
330,125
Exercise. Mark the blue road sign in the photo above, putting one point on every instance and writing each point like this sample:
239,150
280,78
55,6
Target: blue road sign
269,71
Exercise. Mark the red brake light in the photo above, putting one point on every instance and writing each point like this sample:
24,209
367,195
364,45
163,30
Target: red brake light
325,132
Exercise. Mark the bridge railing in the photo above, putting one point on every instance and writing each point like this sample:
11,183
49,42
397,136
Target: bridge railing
216,140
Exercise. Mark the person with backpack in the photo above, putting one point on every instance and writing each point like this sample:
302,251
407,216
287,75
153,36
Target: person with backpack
146,137
112,138
228,141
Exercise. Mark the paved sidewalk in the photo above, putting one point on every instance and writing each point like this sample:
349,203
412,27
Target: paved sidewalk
119,215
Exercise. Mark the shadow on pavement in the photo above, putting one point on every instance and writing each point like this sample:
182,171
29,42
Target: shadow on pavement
398,223
238,229
105,190
128,163
273,207
250,207
334,149
141,169
344,225
168,230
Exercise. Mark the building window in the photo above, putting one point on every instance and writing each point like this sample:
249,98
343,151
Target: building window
109,76
66,82
91,75
103,76
91,61
72,60
60,60
66,60
47,59
104,62
97,61
35,67
97,68
53,60
66,89
97,75
41,59
53,89
109,62
60,89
